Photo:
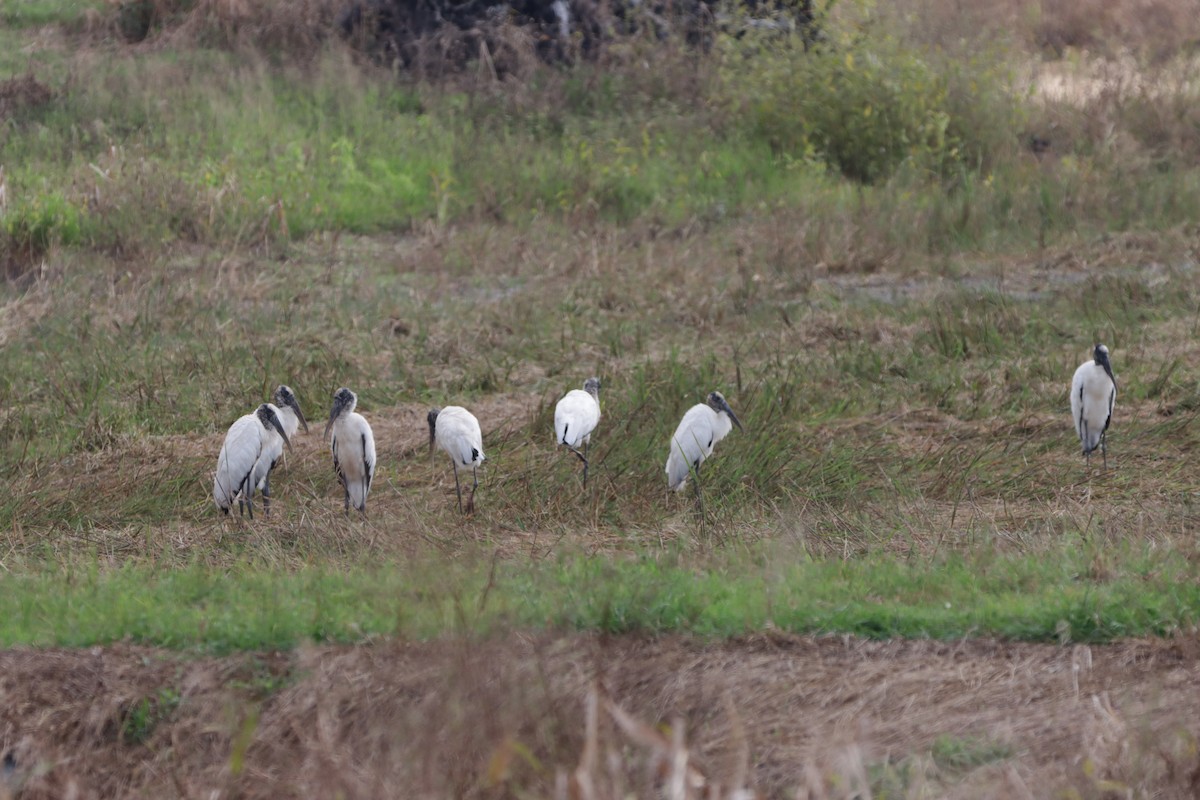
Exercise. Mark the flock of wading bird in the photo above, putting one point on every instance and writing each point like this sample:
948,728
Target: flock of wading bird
255,442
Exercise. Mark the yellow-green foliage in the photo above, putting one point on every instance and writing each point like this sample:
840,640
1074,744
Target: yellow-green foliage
865,102
44,220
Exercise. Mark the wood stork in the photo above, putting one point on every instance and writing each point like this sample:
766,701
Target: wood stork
1093,393
575,417
292,418
455,430
245,442
353,447
701,428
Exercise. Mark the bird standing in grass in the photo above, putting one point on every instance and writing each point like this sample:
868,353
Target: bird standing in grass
353,447
292,418
701,428
1093,394
455,430
245,442
575,417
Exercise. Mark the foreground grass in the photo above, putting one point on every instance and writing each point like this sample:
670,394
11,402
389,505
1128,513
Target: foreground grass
249,607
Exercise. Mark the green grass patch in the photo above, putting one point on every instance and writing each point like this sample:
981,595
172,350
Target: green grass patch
247,607
30,13
964,753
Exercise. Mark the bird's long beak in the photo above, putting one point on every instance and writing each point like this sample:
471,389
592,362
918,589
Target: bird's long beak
333,414
733,417
279,427
299,414
1108,369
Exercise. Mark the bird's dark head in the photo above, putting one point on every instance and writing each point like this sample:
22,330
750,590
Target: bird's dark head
284,396
432,418
268,415
716,401
344,402
1101,357
592,387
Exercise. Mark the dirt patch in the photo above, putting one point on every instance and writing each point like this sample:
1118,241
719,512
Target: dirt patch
507,717
22,93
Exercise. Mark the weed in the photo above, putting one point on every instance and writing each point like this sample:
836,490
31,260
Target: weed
143,716
964,753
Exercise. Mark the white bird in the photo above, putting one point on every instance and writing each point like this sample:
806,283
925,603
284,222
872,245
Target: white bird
248,436
455,430
575,417
701,428
353,447
292,417
1093,393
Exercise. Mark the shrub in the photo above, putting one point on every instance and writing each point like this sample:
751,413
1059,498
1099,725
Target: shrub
29,229
865,102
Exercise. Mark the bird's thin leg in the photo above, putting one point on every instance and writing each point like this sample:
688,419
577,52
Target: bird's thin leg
582,458
346,489
585,463
266,494
1087,454
696,487
471,500
1104,448
457,487
248,494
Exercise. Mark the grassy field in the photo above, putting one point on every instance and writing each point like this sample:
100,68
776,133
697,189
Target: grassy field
186,227
857,245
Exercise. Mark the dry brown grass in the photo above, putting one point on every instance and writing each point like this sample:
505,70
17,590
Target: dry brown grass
293,27
1156,29
22,93
787,717
937,475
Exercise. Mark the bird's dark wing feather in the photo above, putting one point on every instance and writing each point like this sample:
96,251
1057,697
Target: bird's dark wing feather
337,467
368,467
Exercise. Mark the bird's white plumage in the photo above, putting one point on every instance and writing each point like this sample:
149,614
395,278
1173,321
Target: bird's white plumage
1093,395
291,422
235,464
353,446
245,442
698,432
457,432
575,417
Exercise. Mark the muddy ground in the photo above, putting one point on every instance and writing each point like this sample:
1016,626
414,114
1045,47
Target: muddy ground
787,716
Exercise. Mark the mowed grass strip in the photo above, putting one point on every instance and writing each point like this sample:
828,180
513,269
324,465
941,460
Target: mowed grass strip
1019,597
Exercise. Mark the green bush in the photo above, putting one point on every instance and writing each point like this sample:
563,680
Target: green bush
864,102
45,220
